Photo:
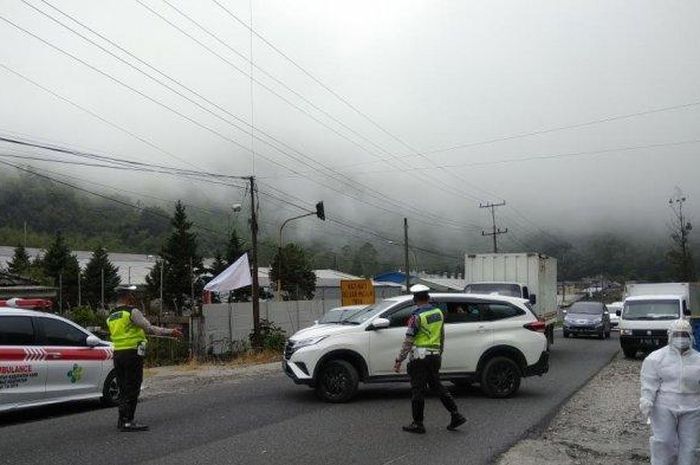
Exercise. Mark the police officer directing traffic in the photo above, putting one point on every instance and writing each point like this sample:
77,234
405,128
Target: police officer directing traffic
128,328
424,342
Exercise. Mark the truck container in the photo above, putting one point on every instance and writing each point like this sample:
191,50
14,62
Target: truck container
648,311
531,276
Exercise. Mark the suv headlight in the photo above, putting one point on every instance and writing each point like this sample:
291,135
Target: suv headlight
626,332
307,342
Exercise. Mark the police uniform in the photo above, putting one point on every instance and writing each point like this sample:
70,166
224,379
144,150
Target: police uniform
129,343
423,344
128,328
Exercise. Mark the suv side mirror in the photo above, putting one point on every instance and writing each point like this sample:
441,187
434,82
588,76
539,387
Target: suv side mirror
379,323
533,299
92,341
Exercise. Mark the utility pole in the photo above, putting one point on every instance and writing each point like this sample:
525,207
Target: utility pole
495,231
80,297
191,287
405,250
102,287
25,234
60,292
254,263
160,313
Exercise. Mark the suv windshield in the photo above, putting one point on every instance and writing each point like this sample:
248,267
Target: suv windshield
367,313
338,315
586,308
651,310
509,290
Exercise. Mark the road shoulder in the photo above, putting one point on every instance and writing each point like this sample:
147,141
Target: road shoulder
599,424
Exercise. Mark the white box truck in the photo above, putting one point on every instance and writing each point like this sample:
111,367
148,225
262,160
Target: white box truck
531,276
649,310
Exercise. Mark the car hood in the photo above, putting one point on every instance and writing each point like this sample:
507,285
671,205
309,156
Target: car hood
323,330
583,316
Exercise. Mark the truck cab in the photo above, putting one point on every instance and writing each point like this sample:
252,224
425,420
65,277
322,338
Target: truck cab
645,319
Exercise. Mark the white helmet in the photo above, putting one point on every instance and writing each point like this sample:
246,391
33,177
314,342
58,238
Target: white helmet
418,288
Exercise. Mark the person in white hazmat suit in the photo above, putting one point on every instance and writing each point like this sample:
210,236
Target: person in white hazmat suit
670,381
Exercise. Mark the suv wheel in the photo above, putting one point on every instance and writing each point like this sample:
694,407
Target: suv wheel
110,390
500,377
337,381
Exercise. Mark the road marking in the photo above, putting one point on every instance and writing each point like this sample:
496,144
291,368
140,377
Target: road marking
397,458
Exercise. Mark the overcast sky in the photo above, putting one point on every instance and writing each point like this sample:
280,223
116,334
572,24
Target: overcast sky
471,77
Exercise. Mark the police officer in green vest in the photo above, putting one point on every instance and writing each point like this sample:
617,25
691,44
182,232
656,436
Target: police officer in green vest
424,342
128,328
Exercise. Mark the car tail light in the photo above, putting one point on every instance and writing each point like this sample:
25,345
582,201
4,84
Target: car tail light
538,326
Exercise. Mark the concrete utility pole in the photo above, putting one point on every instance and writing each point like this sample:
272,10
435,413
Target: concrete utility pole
254,262
160,312
80,297
496,231
405,251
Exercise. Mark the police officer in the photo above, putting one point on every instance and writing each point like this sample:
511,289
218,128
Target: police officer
425,339
128,328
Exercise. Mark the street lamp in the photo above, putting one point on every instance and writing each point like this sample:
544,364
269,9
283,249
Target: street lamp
321,214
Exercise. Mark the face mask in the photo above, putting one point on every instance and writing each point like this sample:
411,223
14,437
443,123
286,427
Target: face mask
681,343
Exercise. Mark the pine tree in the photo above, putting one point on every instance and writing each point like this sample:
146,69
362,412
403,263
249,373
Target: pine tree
62,267
294,271
20,264
93,276
183,265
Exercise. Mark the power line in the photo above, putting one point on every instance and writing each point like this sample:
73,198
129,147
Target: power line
379,195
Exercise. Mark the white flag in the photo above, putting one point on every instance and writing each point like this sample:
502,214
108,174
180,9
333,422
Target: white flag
234,277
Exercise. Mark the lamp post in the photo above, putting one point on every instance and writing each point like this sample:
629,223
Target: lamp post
321,214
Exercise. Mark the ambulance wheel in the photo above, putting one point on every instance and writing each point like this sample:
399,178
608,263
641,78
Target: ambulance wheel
110,390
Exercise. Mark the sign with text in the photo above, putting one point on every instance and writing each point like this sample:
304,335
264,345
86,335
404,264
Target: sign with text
357,291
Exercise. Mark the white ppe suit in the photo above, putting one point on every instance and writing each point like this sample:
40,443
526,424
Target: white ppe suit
670,380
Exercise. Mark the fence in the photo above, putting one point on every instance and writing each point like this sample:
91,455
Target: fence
225,324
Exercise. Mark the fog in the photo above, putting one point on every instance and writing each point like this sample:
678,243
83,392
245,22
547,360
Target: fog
582,116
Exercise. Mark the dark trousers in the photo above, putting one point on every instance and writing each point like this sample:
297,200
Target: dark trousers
425,377
129,367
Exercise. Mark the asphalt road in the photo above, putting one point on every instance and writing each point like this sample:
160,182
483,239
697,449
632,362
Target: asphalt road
272,421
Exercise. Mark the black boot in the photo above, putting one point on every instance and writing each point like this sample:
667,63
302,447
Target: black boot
457,420
414,428
132,426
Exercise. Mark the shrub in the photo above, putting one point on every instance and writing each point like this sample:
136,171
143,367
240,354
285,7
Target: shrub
272,337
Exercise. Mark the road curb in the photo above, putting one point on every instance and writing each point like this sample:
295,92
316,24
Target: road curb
538,428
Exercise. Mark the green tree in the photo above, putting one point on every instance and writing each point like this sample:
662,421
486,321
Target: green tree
62,267
93,275
20,263
294,271
680,256
365,261
182,264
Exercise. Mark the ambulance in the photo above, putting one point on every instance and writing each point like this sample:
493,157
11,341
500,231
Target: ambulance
46,359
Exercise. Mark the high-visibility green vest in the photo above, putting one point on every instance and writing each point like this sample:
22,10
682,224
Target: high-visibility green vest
429,329
125,334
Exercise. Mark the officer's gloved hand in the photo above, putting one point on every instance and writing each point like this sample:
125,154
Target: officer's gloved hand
645,407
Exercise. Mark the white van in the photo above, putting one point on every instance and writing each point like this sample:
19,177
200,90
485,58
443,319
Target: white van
649,310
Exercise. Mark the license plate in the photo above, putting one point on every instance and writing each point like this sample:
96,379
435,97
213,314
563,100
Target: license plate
649,341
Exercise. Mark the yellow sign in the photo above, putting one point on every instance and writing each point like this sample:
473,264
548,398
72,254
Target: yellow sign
357,291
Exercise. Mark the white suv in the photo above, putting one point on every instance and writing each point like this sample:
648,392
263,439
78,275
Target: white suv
46,359
489,339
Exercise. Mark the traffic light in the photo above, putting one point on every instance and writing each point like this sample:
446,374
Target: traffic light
320,212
